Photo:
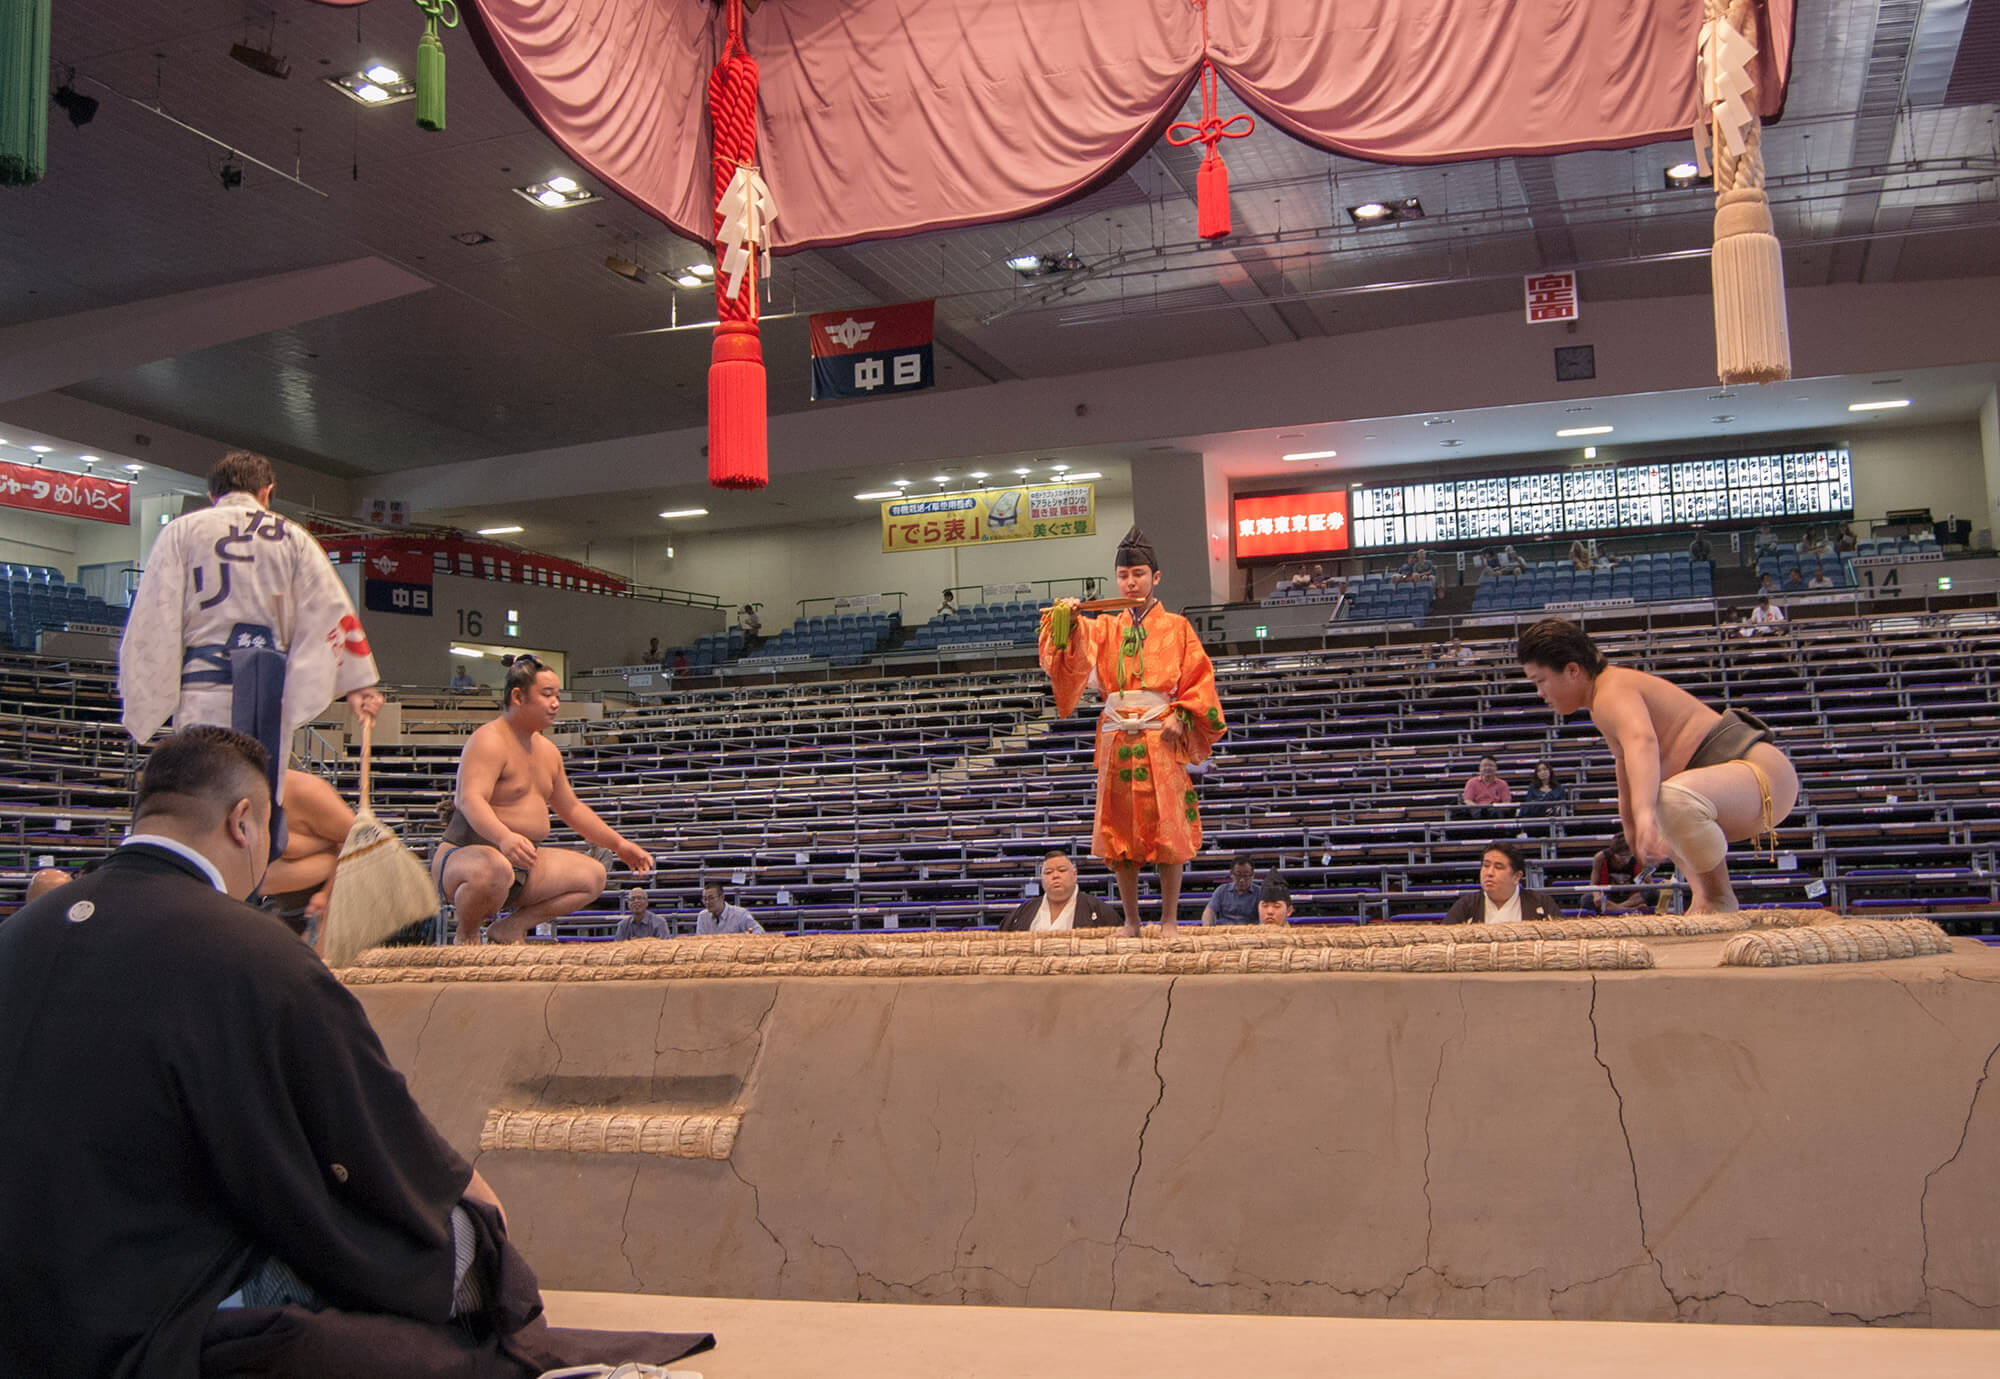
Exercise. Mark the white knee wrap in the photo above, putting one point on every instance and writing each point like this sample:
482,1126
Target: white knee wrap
1688,820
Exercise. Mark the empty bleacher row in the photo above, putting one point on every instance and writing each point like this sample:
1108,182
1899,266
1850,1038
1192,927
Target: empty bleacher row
34,597
919,801
1650,576
1365,598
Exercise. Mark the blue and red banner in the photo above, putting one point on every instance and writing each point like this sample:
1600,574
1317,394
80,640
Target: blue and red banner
873,350
397,581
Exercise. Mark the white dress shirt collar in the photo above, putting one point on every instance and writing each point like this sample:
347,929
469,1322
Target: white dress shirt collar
180,849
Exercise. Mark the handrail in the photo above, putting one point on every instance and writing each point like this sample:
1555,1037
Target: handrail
897,594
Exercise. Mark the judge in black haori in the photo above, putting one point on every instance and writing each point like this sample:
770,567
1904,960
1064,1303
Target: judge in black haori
207,1164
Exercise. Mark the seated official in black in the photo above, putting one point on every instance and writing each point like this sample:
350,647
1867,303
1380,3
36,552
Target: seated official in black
1501,897
1061,905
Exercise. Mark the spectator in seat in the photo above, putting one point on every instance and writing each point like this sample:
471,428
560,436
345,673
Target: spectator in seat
752,625
1318,579
1698,549
1845,543
1766,585
462,681
718,916
1235,900
1545,795
1461,655
1763,540
680,662
1612,871
947,606
1484,793
1501,897
1580,556
1766,617
1419,569
1819,580
1061,905
652,656
1274,902
44,881
1794,579
639,920
1302,578
1511,562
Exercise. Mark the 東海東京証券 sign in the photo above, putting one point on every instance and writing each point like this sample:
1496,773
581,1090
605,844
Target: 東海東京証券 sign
1037,513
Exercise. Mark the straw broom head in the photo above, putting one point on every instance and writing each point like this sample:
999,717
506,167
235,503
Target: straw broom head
378,886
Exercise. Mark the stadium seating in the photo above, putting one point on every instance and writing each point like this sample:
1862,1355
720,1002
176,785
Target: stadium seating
34,597
1649,577
926,800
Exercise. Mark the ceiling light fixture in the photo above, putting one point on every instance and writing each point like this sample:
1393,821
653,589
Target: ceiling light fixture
689,280
473,652
41,449
685,512
134,468
376,84
1680,177
1372,213
1877,406
1041,265
900,483
702,270
1437,421
1079,478
1590,452
1023,473
977,474
557,193
1451,444
878,496
500,531
940,478
1309,455
1569,431
1722,418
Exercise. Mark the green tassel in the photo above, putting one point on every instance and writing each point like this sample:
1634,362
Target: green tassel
430,81
24,91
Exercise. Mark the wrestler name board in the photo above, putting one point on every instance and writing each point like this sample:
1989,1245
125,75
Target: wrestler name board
397,582
67,495
880,349
1039,513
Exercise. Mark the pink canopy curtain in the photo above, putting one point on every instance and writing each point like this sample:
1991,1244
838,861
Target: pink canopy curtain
886,117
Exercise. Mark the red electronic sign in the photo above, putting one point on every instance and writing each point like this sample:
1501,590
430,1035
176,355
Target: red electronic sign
1280,524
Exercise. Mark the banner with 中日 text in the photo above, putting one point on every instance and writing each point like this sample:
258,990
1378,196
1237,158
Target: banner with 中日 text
1037,512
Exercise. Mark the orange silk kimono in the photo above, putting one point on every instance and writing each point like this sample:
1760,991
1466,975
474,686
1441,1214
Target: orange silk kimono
1146,809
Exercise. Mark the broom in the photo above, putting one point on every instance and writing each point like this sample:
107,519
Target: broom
378,885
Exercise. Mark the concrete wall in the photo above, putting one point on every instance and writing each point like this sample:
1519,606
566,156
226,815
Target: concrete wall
590,629
1938,467
1802,1145
32,538
778,566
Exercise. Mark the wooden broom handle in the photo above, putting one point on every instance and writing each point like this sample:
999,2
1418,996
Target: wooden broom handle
367,736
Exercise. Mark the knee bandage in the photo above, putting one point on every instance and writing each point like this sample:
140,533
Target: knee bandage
1687,818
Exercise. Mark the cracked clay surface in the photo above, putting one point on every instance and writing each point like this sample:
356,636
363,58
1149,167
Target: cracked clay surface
1801,1147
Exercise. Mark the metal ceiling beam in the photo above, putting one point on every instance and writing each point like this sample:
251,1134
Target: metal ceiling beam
1553,240
38,356
844,262
1279,325
1876,118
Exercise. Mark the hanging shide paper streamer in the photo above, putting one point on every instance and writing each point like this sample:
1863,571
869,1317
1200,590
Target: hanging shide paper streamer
24,91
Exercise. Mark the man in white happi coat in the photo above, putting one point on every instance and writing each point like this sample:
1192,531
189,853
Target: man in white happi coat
240,621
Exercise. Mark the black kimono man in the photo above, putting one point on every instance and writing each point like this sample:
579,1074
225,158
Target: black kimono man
195,1113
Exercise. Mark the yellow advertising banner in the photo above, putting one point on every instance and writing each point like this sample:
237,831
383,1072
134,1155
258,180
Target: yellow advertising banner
1036,512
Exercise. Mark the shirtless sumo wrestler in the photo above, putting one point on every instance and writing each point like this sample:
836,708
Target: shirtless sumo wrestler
509,779
1690,780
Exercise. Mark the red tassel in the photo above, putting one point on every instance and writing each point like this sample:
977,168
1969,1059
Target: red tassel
1211,197
736,422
